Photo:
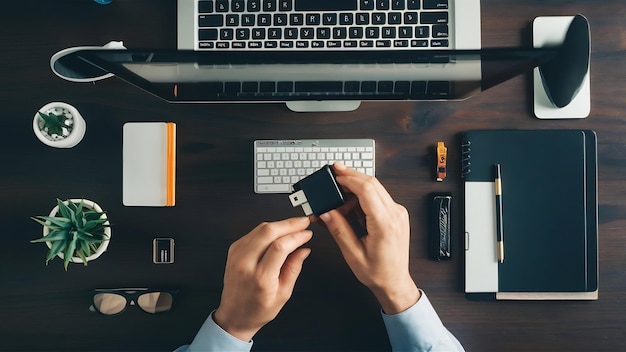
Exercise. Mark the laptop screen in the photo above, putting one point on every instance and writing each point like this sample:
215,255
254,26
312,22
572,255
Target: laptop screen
192,76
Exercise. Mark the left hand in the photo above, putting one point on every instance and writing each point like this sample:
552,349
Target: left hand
261,272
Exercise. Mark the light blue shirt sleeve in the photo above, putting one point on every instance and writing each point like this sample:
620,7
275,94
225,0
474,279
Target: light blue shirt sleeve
211,337
419,329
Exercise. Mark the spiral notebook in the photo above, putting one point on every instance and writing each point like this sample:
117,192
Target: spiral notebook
549,214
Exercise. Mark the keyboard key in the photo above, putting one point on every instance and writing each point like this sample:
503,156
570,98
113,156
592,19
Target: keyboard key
329,18
296,19
367,4
422,32
307,33
416,43
435,4
346,19
317,5
398,4
402,87
210,20
271,44
238,5
232,20
323,33
319,86
280,19
401,43
333,44
269,5
379,18
226,34
357,32
205,6
413,4
284,87
382,4
405,32
363,18
258,33
313,19
394,18
440,31
207,34
254,5
439,43
267,87
291,33
221,5
433,17
264,20
248,20
284,5
372,32
243,34
250,87
389,32
274,188
352,86
410,18
340,33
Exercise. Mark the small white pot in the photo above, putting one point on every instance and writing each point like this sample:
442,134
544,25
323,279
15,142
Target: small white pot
107,230
78,125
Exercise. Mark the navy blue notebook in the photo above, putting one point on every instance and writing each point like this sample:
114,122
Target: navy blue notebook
549,206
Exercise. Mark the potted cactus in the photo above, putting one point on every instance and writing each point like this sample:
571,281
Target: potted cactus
76,230
59,125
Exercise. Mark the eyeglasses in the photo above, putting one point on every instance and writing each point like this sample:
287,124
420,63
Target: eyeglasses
115,301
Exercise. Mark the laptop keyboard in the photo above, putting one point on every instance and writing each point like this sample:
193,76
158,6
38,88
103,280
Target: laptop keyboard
281,163
322,24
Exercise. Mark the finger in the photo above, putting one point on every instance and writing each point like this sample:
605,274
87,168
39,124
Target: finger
291,269
373,198
342,232
264,234
356,178
278,251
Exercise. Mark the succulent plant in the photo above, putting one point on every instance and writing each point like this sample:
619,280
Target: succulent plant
75,231
54,124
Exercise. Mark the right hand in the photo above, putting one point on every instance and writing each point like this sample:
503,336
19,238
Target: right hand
379,260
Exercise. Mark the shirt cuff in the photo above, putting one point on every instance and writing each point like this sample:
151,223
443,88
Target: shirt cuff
417,328
211,337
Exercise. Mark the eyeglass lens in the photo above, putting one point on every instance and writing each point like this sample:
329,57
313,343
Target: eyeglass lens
153,302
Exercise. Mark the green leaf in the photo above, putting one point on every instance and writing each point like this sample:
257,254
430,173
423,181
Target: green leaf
69,251
64,210
56,248
60,222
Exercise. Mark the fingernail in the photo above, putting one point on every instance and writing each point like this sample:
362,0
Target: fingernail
325,217
339,166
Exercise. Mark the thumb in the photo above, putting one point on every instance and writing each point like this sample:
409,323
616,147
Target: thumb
342,232
291,269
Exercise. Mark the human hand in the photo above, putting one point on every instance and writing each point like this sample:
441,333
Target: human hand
261,271
380,260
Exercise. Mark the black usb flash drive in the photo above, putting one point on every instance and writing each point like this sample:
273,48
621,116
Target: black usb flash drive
318,193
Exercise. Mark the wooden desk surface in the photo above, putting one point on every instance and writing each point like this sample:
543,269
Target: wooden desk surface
44,308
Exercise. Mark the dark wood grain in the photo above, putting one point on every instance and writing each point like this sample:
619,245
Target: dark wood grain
44,308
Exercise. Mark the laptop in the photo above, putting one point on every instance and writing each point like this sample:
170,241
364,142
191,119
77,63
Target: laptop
328,25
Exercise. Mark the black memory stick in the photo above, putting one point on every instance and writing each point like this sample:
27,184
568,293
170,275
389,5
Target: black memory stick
318,193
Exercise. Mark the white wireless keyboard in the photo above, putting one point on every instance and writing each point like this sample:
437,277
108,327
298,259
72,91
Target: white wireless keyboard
278,164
